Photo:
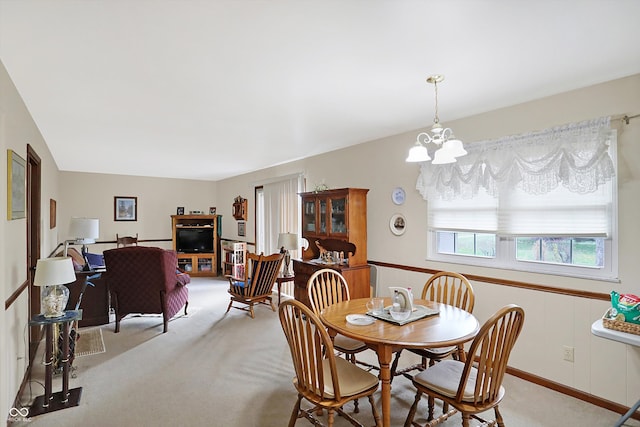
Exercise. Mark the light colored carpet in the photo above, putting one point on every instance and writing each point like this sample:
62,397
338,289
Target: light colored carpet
225,370
90,342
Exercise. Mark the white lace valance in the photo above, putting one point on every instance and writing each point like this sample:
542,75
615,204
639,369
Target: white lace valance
575,155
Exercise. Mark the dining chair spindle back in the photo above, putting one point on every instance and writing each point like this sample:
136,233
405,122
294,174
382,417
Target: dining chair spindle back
473,386
448,288
327,381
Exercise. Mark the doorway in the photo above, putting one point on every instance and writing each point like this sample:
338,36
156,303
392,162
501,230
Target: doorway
34,189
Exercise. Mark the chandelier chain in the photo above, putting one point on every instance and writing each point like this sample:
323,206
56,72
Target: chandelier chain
436,118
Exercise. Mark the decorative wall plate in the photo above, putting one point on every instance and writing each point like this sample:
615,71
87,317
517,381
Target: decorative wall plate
398,195
397,224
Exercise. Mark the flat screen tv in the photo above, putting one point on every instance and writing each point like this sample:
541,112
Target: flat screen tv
193,240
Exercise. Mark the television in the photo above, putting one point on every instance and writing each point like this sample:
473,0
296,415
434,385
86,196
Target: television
194,240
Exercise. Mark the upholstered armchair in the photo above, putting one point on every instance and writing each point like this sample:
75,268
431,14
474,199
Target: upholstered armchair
145,280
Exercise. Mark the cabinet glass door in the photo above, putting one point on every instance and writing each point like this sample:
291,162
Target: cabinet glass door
323,216
205,265
338,215
185,264
309,217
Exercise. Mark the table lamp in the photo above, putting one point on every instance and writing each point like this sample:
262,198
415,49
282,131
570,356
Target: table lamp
84,231
287,242
51,275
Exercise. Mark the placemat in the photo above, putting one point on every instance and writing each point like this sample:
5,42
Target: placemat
420,312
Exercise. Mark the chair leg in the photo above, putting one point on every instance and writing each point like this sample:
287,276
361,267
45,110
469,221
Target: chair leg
186,304
412,411
295,412
465,419
394,365
498,416
165,321
229,306
374,411
330,417
253,315
431,405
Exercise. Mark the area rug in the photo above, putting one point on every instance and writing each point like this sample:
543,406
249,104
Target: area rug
90,342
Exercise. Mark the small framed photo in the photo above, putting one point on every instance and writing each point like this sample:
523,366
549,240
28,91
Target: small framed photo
52,213
397,224
212,210
180,210
125,208
241,228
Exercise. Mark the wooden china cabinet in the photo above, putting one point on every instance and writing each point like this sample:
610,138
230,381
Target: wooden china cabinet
334,220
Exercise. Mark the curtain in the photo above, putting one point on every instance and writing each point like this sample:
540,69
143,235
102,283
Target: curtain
281,211
556,182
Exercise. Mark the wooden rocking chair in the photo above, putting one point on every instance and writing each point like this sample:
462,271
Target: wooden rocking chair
256,286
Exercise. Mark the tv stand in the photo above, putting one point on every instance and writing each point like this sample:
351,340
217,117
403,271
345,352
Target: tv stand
197,264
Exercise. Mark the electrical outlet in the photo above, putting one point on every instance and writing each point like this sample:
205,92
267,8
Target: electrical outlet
567,353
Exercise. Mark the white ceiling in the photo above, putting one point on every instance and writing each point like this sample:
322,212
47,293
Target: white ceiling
213,89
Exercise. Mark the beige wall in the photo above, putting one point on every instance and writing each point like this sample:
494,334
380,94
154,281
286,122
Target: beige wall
92,195
17,129
552,321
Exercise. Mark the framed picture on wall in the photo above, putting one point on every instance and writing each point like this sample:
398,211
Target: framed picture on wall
125,208
16,187
241,228
52,213
397,224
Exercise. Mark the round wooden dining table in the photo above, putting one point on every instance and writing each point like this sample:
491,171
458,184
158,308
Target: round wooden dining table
451,326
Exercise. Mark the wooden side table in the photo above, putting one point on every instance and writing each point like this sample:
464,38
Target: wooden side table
283,279
66,398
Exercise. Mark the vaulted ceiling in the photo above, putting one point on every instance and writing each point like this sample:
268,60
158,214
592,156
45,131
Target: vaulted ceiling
213,89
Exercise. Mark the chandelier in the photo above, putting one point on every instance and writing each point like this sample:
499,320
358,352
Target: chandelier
450,146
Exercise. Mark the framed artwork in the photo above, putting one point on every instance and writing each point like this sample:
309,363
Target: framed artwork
212,210
241,228
180,210
52,213
16,189
125,208
397,224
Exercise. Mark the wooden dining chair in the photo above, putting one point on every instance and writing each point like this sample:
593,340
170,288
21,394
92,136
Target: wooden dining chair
473,386
447,288
326,287
256,286
126,240
326,381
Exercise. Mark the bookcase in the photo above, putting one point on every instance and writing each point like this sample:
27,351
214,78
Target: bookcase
233,259
195,239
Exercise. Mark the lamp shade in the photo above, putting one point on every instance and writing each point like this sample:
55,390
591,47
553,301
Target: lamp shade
418,153
289,241
443,156
54,271
84,230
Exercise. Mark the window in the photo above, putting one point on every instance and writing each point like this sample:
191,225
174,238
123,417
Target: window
544,202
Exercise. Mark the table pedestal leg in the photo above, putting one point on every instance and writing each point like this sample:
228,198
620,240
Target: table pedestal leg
384,359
